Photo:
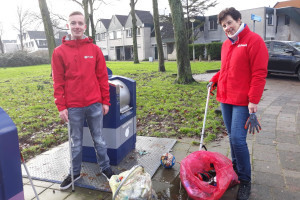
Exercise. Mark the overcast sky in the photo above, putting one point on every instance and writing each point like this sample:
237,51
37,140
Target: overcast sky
8,10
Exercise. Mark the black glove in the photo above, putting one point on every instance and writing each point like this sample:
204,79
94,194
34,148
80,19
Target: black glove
253,124
212,86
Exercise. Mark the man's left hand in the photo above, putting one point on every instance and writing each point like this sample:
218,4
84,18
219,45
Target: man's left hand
105,109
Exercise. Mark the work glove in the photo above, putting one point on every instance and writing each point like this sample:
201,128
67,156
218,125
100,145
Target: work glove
253,124
212,86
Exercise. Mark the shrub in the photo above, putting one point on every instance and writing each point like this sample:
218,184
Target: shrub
214,50
22,58
199,51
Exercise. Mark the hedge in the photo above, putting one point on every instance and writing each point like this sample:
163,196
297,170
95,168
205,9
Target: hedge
22,58
212,49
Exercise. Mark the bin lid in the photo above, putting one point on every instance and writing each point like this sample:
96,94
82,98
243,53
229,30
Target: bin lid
109,72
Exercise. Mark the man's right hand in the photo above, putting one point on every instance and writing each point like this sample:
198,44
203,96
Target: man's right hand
64,115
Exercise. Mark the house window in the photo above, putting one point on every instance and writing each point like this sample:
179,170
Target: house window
103,36
112,35
138,31
42,42
129,32
213,25
119,34
287,20
32,44
270,19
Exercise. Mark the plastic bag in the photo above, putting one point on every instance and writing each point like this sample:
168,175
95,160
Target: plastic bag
132,184
200,161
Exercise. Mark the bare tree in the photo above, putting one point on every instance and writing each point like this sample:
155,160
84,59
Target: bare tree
161,65
184,75
88,7
24,20
134,27
47,26
1,43
194,8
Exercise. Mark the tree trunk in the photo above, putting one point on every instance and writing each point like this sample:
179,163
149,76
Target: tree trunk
1,46
85,4
184,74
92,21
134,27
161,66
48,28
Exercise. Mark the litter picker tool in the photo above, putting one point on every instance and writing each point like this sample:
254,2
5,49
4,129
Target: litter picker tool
28,175
204,120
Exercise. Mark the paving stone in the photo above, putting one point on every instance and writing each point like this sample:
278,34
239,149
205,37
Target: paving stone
270,149
293,184
287,117
289,160
87,194
266,134
269,179
29,193
293,174
291,139
263,156
265,166
265,141
42,183
285,195
260,192
50,194
288,147
25,180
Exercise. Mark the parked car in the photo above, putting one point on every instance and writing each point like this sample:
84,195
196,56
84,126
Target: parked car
284,57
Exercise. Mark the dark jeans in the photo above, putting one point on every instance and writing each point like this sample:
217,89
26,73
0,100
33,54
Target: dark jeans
235,118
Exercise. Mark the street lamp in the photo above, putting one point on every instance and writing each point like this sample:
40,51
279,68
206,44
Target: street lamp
193,20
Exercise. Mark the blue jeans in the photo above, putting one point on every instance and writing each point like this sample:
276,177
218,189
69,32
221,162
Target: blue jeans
235,118
94,116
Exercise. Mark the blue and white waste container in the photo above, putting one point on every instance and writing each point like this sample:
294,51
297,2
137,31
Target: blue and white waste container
119,125
11,184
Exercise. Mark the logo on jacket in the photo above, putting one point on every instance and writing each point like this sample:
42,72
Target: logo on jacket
86,57
242,45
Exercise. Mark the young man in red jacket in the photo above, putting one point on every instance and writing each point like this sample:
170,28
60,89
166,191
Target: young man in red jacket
241,81
81,92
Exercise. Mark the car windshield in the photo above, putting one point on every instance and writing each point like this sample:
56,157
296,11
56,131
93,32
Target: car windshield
296,45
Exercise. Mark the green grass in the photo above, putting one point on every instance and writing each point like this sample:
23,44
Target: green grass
164,109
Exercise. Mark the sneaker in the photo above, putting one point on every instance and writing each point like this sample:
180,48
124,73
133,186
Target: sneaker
244,190
108,173
68,182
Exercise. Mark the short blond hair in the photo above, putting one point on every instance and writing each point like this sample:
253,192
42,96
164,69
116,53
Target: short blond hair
75,13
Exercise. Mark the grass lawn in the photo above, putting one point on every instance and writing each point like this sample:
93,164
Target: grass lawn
164,109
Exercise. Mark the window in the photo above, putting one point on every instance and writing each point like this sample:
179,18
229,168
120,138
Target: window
43,43
103,36
138,31
287,20
213,25
129,32
270,19
119,34
281,48
112,35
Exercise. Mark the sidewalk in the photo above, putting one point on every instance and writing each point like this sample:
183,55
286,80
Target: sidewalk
275,154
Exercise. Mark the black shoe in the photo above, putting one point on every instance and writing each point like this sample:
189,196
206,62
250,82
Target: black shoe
68,181
108,173
244,190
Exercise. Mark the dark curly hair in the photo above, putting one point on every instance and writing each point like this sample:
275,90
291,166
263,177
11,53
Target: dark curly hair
229,11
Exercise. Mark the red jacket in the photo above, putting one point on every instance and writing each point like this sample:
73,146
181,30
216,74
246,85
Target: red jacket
243,70
79,74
